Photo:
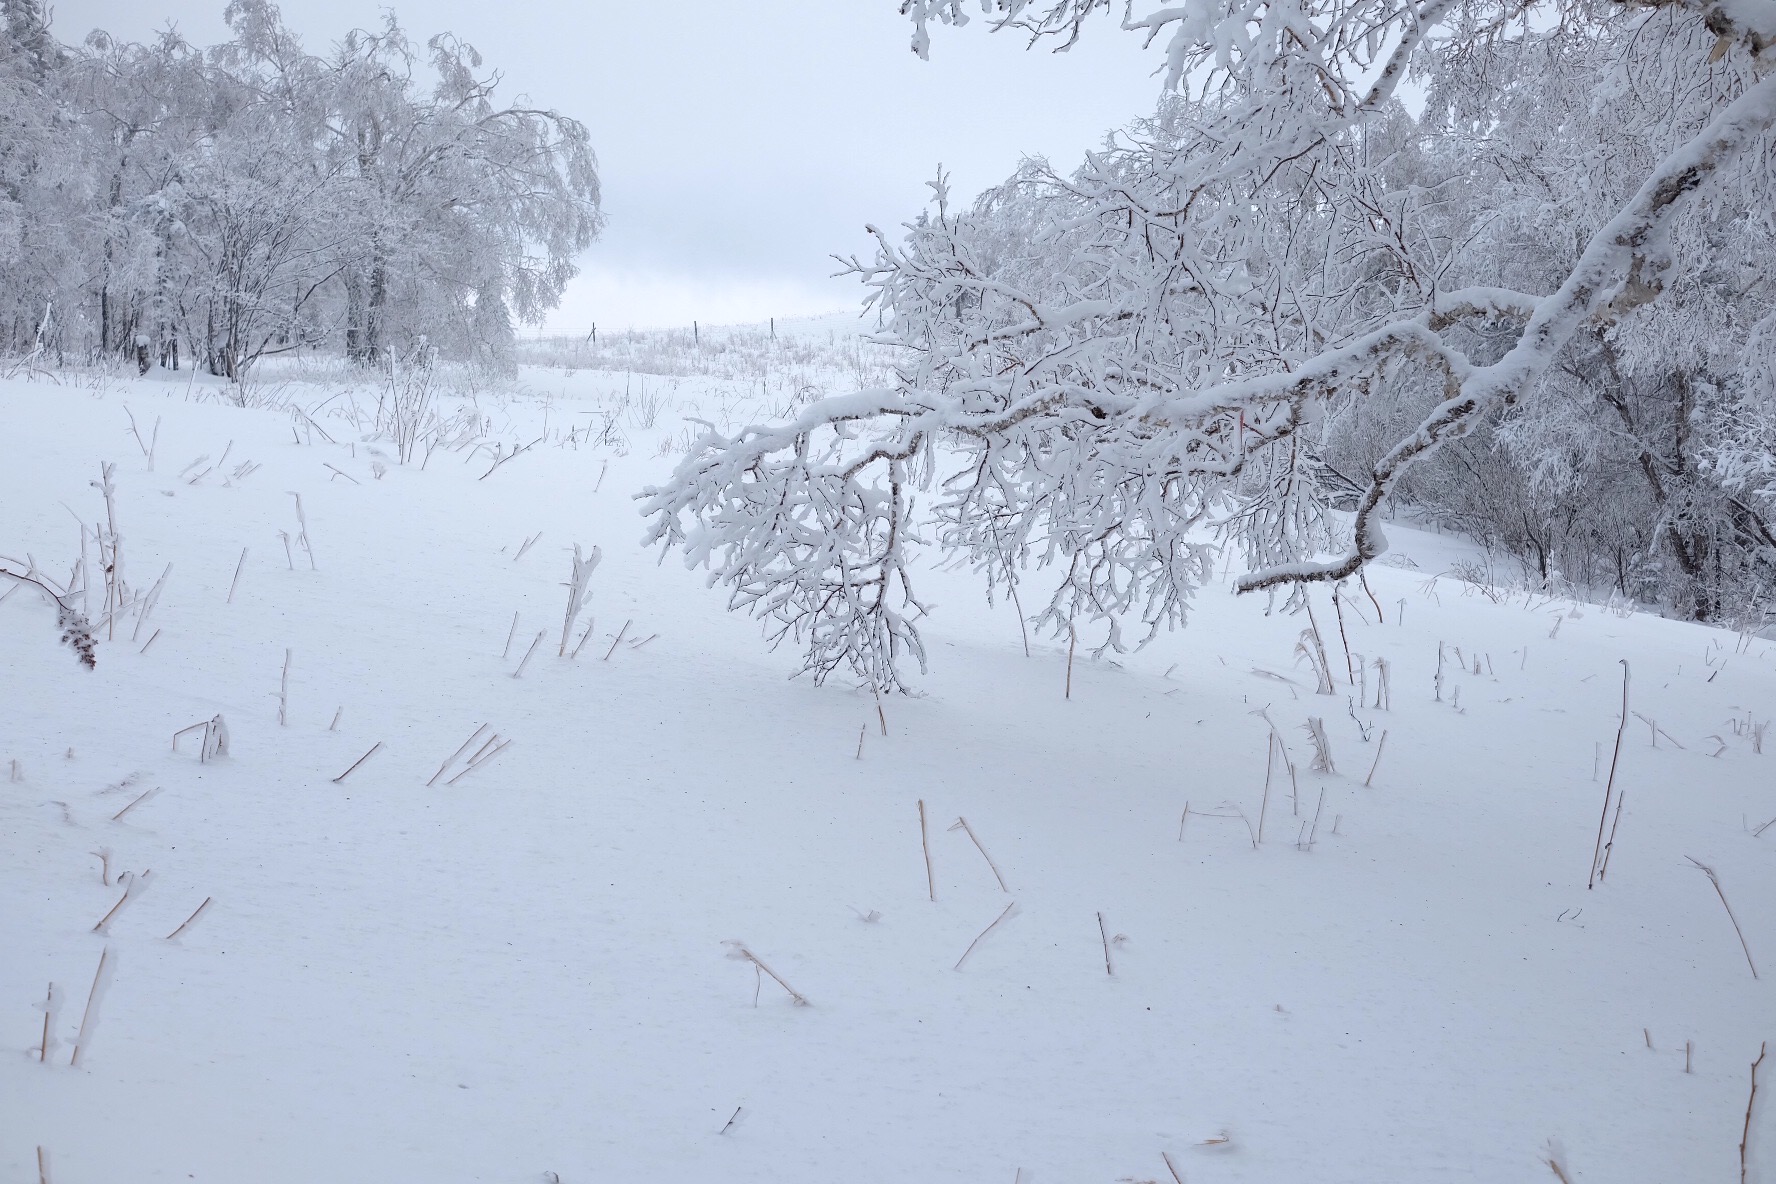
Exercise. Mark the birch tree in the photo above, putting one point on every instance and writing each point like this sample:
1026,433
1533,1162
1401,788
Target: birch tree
1104,371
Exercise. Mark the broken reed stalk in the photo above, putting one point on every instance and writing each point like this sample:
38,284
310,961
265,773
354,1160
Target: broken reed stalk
983,933
510,634
145,795
1610,786
1715,880
337,712
358,762
925,842
1376,764
881,716
616,641
86,1016
862,731
1745,1135
453,756
969,831
741,950
196,913
237,574
42,1166
1104,936
150,641
1171,1167
284,693
525,661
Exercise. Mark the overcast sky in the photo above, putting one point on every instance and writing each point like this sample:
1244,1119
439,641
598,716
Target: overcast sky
742,142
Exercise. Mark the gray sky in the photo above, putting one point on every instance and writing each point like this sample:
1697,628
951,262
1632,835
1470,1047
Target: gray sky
741,142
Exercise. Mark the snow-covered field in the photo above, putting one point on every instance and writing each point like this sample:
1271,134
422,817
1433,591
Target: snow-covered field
518,973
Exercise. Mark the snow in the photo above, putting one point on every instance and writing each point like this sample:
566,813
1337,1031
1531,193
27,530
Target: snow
523,972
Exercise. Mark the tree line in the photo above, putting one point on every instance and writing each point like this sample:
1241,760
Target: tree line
209,207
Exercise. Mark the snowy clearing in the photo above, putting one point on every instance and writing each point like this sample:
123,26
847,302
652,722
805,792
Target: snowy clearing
514,969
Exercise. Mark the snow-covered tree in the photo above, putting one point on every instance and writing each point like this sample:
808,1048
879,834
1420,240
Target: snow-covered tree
255,197
1105,370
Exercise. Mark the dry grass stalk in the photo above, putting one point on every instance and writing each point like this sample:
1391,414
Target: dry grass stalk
284,693
356,763
302,533
1376,764
962,825
103,855
232,584
617,640
579,585
925,842
48,1016
1745,1135
510,634
148,604
128,892
738,950
525,661
1104,936
1316,732
481,758
479,728
86,1017
1597,853
337,712
42,1166
1350,669
1171,1167
862,731
591,624
196,913
150,641
1715,880
145,795
881,716
983,933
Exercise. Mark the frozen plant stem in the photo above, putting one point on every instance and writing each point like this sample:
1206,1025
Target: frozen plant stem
1745,1135
617,640
525,661
358,762
925,843
983,933
284,693
1072,642
237,575
145,795
453,756
962,824
510,634
196,913
740,951
1715,880
1104,936
1376,764
1597,853
48,1014
86,1017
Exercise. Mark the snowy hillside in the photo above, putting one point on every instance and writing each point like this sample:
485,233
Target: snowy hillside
474,909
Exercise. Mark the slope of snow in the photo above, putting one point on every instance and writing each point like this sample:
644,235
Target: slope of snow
522,975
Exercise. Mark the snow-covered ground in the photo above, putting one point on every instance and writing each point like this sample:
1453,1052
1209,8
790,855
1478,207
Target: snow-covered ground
518,973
